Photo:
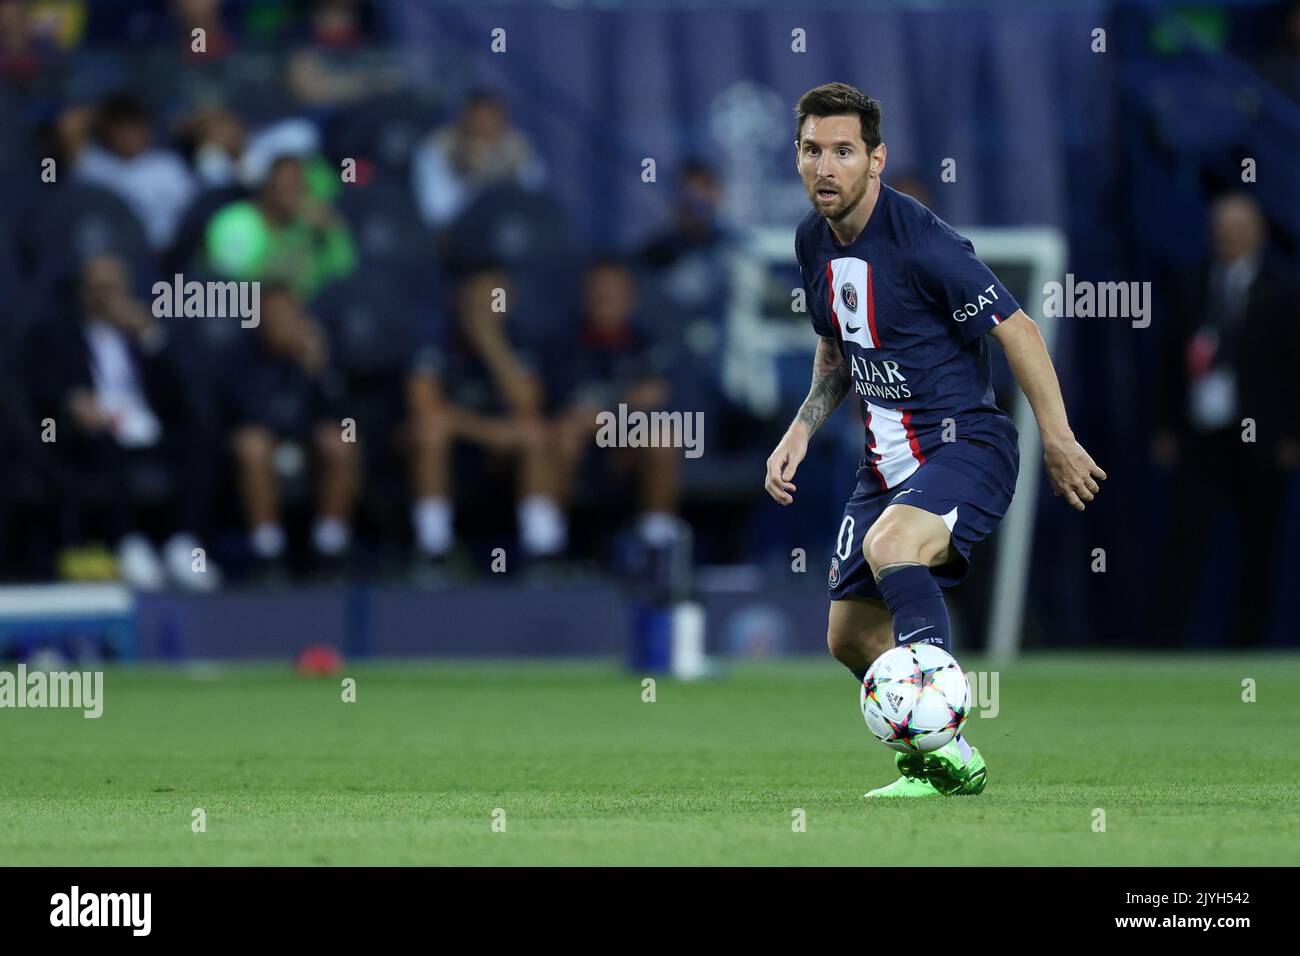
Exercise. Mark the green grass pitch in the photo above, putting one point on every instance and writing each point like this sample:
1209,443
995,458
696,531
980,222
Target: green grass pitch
709,773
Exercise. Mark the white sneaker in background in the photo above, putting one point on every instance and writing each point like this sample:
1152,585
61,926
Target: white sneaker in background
543,527
330,536
178,556
138,565
431,516
658,528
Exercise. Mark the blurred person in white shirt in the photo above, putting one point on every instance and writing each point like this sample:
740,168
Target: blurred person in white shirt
154,183
478,149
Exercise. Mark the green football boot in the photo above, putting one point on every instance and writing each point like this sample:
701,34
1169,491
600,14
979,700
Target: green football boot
937,774
914,782
954,776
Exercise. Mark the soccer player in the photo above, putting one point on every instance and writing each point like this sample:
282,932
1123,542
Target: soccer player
902,305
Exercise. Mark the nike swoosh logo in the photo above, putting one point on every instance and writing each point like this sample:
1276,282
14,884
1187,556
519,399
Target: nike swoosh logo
902,638
851,329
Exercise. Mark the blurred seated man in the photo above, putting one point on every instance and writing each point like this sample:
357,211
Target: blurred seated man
609,363
688,278
190,15
282,233
133,428
1230,352
278,395
340,63
480,148
695,223
155,183
30,60
214,140
482,394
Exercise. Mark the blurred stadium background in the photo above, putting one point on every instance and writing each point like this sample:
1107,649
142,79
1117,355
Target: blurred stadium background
524,168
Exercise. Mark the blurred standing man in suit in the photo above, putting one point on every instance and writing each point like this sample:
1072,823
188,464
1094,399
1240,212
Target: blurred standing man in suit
1230,356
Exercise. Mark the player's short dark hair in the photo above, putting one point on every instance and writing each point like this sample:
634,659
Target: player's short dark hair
840,99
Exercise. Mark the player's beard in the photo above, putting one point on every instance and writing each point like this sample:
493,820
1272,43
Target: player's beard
845,205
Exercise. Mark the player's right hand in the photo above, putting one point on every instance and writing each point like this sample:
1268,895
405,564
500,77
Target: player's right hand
1072,472
782,463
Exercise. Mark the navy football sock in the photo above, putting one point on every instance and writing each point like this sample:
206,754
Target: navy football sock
860,673
913,597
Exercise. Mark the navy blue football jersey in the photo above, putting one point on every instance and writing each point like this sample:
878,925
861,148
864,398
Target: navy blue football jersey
908,303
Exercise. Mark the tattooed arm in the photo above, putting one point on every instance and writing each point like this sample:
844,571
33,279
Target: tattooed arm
830,383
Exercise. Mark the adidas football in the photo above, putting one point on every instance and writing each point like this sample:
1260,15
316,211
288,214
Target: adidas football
915,698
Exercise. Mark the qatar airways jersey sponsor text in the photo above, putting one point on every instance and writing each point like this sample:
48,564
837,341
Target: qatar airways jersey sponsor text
909,303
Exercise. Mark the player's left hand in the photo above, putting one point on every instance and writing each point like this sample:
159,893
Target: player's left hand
1072,472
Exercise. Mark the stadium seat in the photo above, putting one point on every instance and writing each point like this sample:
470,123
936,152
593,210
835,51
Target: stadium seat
370,322
80,220
385,225
515,226
384,131
535,241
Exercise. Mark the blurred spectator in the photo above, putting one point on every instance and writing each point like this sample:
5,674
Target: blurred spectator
205,15
694,218
67,137
224,153
20,53
478,149
1282,68
279,397
154,183
337,24
483,396
689,274
211,53
214,139
609,362
27,54
1230,353
340,65
132,426
282,234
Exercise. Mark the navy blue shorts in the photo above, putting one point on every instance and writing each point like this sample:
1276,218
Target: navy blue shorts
967,483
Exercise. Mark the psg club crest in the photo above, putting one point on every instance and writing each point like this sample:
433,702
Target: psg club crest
849,296
834,576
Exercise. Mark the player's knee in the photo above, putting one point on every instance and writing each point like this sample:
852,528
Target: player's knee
887,544
894,542
858,648
842,646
